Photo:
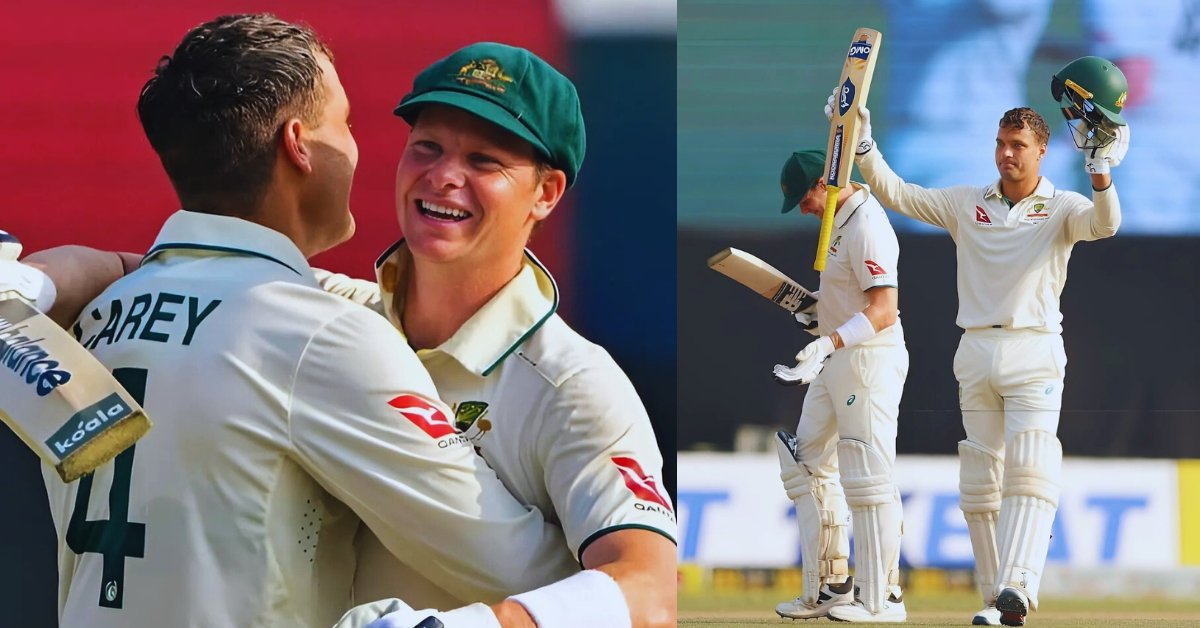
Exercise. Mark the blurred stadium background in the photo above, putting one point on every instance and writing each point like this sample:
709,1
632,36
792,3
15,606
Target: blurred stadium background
77,169
753,78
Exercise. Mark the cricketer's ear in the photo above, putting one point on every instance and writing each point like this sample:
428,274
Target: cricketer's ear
549,192
293,145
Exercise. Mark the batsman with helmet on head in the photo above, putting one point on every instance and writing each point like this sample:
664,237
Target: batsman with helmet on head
1013,238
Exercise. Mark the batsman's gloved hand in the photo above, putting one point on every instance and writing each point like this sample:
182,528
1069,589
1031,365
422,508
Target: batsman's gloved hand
865,141
809,363
806,318
28,282
473,616
1101,159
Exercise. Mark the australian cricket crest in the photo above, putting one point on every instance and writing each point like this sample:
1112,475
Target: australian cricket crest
468,418
485,73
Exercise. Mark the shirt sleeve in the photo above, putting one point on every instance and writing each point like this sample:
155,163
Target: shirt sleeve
360,291
935,207
1094,219
602,465
366,423
876,252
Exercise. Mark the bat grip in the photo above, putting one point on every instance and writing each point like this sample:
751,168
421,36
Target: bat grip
831,197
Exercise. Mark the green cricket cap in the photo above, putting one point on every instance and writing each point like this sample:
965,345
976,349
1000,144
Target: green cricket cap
800,172
513,89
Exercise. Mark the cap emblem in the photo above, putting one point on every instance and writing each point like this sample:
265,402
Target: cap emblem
485,73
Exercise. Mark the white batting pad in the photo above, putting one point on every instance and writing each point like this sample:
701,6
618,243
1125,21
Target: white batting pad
875,506
1033,468
979,475
822,516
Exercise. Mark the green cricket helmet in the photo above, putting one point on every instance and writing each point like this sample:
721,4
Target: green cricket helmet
1091,90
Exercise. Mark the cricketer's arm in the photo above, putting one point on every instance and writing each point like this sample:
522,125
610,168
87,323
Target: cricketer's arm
79,274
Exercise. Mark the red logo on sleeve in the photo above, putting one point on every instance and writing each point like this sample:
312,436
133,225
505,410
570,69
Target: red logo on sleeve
874,268
981,216
644,487
424,415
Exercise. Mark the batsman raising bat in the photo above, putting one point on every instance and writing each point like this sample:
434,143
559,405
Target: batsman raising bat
856,368
1013,238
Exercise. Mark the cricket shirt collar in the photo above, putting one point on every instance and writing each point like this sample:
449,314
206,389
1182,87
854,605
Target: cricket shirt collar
852,204
1044,189
194,231
497,329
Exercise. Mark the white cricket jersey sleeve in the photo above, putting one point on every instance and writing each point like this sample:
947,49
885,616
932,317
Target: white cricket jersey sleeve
360,291
365,422
1095,219
876,255
601,462
935,207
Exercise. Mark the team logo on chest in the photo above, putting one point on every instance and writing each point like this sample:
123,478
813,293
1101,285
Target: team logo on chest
981,217
468,418
833,247
1036,214
642,485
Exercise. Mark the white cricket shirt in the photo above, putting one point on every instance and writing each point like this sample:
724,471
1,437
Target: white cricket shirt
551,412
282,415
1012,262
863,254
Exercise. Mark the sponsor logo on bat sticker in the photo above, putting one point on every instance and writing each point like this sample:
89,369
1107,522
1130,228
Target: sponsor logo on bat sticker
643,486
87,423
874,268
846,97
835,159
860,49
28,359
423,414
981,217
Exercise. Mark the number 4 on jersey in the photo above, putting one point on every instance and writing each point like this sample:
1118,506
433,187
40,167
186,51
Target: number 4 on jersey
116,538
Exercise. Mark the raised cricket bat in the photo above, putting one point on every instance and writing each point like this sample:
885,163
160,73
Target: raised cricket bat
843,128
54,395
763,278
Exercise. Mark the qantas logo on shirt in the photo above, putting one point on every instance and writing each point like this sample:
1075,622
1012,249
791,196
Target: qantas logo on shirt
981,217
643,486
423,414
875,269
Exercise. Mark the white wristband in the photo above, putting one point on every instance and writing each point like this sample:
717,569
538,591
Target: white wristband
856,330
588,599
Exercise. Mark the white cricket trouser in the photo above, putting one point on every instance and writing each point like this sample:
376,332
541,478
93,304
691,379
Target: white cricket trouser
853,406
856,396
1010,393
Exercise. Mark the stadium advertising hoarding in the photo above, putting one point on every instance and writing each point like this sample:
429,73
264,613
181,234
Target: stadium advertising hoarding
1113,513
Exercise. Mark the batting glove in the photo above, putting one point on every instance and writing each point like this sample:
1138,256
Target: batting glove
474,616
27,282
393,613
806,318
1101,159
865,141
809,363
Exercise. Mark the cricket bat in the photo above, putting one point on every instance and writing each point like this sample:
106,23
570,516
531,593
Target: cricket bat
54,395
763,278
855,84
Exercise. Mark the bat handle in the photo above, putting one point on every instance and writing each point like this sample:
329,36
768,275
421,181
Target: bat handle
826,227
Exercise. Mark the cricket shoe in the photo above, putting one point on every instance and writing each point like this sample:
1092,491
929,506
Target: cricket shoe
892,612
831,595
989,616
1013,607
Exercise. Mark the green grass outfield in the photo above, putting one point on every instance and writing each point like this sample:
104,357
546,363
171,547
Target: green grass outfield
734,610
